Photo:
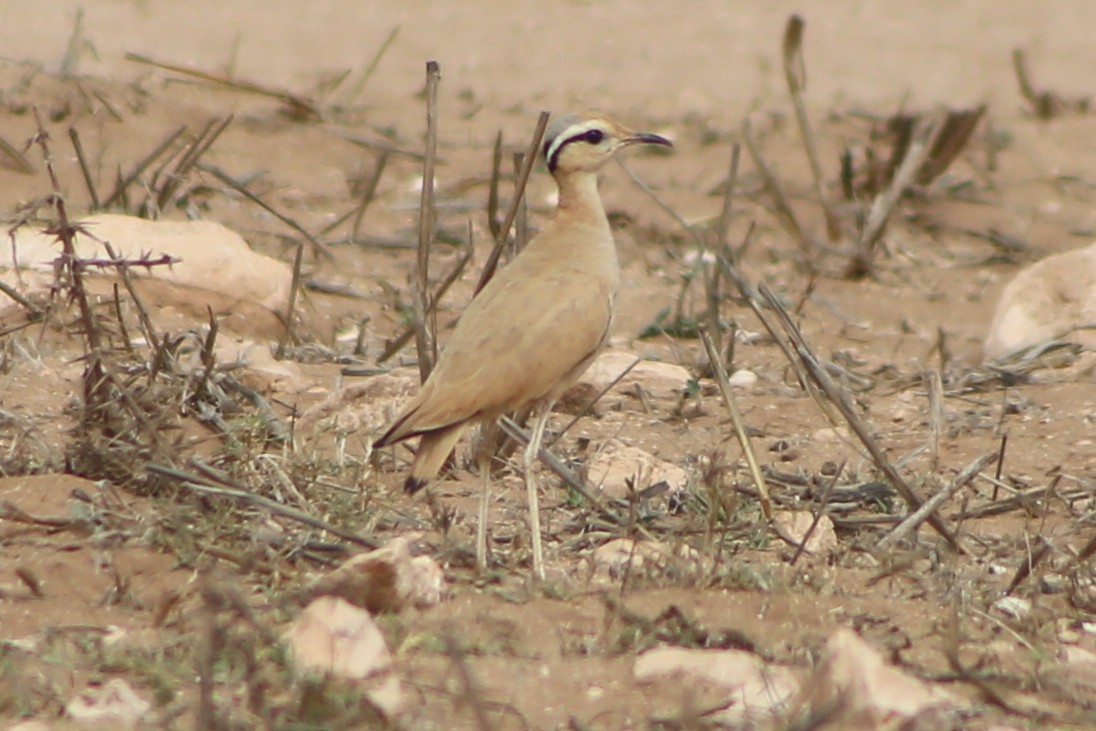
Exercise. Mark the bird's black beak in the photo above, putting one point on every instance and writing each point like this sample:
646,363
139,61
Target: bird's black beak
646,138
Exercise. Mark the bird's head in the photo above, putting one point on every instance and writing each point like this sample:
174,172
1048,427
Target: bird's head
586,142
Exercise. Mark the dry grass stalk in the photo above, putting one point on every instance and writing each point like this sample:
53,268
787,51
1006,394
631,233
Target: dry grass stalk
666,208
519,192
723,224
69,268
33,310
380,146
820,377
354,90
819,511
318,247
950,139
739,426
928,509
494,225
298,107
16,159
84,169
712,273
593,402
1000,465
810,371
426,344
1032,500
519,435
795,73
397,344
1026,568
213,482
147,328
521,220
1044,104
935,387
883,206
291,305
119,192
749,294
191,154
369,192
782,209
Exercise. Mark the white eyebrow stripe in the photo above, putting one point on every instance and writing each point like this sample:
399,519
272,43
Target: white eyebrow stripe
569,135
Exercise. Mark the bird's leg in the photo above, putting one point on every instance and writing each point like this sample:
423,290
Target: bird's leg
487,440
532,450
481,519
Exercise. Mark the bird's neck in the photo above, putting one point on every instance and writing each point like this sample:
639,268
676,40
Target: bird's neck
579,199
579,233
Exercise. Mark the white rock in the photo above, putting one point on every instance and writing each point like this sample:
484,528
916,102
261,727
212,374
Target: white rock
621,556
366,405
333,636
868,692
796,524
612,467
1013,606
113,705
31,725
756,691
742,378
662,380
257,358
212,256
831,435
1073,655
1043,301
388,579
1075,673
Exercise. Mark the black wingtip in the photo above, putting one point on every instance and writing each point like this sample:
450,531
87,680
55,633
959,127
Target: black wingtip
413,485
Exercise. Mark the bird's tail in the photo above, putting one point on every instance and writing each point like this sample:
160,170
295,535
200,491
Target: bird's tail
434,448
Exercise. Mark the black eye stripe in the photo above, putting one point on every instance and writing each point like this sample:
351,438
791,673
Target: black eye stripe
593,136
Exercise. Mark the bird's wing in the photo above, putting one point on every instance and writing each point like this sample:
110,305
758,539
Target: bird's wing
514,344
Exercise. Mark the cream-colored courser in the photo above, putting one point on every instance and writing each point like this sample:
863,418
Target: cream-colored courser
536,326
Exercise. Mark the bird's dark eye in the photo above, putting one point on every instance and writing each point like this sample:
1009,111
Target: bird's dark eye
594,136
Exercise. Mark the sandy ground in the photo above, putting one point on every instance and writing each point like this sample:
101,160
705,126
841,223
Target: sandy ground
563,657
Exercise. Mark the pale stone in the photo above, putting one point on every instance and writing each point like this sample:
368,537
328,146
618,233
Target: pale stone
742,378
258,358
113,705
830,435
755,690
621,556
31,725
368,405
662,380
611,468
388,579
868,692
334,637
1075,673
796,524
211,257
1013,606
1044,301
1079,656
